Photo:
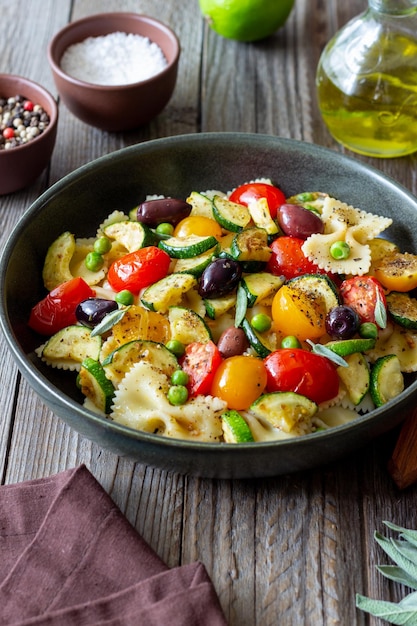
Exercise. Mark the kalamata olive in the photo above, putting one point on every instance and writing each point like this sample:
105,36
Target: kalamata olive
219,278
342,322
90,312
296,221
232,342
163,210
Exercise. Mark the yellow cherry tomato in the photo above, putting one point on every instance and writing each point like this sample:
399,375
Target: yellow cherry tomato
198,225
397,271
239,381
294,313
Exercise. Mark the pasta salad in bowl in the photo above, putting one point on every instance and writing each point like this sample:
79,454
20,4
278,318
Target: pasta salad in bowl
249,322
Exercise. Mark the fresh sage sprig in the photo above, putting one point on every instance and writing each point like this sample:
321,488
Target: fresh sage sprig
109,321
403,552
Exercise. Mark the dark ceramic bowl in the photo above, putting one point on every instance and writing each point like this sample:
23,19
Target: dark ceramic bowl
21,166
190,162
121,107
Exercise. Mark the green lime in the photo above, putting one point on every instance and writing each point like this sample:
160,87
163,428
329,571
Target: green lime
246,20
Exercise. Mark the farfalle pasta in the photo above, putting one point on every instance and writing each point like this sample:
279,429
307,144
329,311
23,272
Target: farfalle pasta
343,222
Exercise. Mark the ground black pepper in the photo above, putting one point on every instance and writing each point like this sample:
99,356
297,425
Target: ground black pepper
21,120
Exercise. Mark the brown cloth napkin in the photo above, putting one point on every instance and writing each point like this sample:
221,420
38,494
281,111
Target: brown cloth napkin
68,557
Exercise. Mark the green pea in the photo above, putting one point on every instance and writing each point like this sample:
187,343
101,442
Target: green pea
102,245
261,322
368,330
340,250
94,261
177,394
290,341
125,297
176,347
179,377
165,229
304,197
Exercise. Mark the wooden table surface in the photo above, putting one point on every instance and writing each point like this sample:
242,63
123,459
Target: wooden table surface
289,550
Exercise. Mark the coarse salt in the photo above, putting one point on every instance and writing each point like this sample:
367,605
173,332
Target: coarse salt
114,59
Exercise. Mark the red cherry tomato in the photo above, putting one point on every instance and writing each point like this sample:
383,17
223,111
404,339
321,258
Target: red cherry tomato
361,293
57,309
254,191
288,259
138,269
200,362
306,373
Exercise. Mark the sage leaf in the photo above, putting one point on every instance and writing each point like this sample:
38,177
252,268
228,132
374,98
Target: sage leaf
241,305
405,533
380,312
398,575
109,321
395,551
399,614
321,350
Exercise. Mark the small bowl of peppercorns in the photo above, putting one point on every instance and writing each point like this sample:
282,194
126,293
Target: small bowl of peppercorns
28,126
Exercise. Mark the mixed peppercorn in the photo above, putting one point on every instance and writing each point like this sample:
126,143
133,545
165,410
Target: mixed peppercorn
21,120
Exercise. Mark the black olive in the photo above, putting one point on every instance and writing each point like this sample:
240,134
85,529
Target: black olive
90,312
159,211
342,322
219,278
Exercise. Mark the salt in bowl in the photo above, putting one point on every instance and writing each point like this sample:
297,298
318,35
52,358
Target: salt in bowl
127,105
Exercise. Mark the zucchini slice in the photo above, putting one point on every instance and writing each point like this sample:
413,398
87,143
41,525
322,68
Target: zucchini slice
197,264
318,287
56,269
119,362
387,380
285,410
132,235
251,245
355,377
187,247
215,307
95,385
257,343
167,292
403,309
261,285
261,216
230,215
187,326
71,346
235,428
344,347
201,205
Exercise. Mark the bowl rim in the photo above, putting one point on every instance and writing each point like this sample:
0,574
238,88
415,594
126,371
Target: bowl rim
53,113
217,448
140,17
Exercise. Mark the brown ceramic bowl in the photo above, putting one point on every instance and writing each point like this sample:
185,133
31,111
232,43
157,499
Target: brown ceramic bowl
121,107
20,166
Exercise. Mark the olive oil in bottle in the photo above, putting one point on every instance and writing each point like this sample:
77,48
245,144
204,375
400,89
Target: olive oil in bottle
367,81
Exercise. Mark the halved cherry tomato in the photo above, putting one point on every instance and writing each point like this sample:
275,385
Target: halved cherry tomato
138,269
200,362
288,259
294,313
239,381
198,225
361,293
398,271
306,373
57,309
250,192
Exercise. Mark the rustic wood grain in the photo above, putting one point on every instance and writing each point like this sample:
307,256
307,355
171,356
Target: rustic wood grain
290,550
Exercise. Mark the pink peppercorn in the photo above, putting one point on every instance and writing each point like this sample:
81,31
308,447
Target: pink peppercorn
8,133
28,105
